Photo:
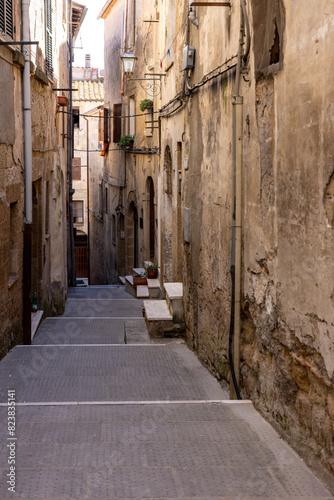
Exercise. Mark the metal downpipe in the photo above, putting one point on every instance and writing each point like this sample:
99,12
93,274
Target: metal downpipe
27,178
237,151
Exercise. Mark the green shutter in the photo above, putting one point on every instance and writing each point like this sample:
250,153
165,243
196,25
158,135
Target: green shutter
6,17
48,37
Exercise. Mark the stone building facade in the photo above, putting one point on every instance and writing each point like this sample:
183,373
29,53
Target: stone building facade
48,24
255,112
88,109
130,178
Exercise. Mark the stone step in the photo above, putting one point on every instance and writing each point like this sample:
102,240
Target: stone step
129,286
153,288
160,321
174,298
142,292
121,279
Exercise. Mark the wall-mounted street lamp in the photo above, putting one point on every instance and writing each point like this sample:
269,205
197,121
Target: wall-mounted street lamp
128,60
152,86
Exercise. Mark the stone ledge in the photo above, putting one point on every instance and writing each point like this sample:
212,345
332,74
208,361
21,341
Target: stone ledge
174,290
157,310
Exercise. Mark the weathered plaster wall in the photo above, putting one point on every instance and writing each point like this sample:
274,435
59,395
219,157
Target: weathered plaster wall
11,204
288,237
49,176
127,175
287,275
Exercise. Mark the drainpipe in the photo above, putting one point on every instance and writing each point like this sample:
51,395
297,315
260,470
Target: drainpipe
72,277
88,231
27,179
237,150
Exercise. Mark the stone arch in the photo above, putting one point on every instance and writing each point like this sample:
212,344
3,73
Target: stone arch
151,235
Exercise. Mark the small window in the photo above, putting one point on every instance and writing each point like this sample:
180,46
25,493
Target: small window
168,174
117,122
13,257
106,200
76,118
76,169
114,229
78,212
132,113
6,17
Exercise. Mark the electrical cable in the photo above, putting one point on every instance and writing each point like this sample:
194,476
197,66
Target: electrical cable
110,116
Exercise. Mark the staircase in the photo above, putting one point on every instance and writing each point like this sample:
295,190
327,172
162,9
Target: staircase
146,289
165,318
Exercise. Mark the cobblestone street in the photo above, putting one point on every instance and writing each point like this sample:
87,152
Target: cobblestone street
103,412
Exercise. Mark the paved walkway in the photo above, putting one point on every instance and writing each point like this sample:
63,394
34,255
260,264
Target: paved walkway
103,413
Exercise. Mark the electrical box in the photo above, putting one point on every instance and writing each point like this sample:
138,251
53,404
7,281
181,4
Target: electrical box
188,57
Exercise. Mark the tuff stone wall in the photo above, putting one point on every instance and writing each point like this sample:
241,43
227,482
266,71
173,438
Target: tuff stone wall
287,264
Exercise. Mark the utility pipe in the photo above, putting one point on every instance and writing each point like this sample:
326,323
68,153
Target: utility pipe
27,178
72,276
88,230
237,150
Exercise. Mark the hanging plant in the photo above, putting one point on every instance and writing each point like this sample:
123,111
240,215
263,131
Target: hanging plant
126,140
146,104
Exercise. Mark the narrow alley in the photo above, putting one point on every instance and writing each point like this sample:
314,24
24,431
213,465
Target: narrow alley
104,412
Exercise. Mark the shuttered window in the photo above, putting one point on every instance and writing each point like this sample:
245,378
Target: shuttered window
76,169
6,18
48,37
104,127
78,212
117,122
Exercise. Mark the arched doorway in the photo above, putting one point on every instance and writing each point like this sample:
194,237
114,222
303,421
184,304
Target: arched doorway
151,215
132,236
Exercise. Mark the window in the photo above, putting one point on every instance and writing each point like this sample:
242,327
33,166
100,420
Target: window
114,229
76,169
6,18
76,118
132,117
106,200
13,258
104,127
78,212
117,123
168,168
48,37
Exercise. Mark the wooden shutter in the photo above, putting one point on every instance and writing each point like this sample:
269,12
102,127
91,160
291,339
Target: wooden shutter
106,126
117,122
48,37
101,127
76,169
6,17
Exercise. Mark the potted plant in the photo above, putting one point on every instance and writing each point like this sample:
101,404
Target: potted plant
139,279
126,141
146,104
152,271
